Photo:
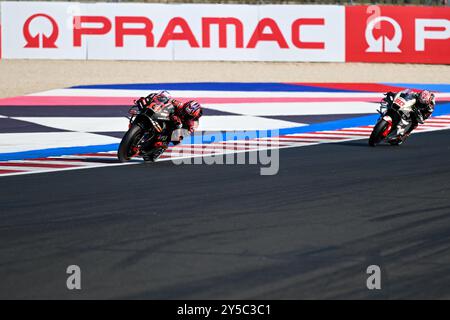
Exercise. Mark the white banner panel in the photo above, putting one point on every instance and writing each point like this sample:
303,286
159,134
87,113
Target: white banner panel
173,31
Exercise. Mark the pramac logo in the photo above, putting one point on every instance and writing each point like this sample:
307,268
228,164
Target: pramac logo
383,43
48,41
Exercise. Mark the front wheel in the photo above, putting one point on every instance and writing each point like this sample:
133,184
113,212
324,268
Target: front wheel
379,132
128,145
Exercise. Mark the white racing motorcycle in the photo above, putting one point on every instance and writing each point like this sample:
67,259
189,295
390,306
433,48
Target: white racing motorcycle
395,119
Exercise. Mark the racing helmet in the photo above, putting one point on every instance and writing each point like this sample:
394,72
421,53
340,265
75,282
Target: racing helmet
192,110
425,97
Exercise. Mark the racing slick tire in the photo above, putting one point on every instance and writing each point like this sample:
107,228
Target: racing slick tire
130,139
377,133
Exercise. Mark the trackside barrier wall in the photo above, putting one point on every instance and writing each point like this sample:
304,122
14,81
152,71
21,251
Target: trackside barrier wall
147,31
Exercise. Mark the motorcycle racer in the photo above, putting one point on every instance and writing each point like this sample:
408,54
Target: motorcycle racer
425,103
184,116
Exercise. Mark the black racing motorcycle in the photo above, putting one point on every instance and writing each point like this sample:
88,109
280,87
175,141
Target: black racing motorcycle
147,125
395,119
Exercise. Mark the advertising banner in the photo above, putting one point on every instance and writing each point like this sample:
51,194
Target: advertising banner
148,31
398,34
173,32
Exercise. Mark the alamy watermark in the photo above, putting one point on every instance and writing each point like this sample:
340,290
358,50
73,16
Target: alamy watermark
373,282
73,281
257,147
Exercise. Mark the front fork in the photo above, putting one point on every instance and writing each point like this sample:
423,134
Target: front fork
386,132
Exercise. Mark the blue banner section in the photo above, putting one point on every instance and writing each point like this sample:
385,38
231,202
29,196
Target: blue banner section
215,86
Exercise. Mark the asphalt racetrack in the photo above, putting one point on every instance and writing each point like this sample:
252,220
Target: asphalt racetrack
166,231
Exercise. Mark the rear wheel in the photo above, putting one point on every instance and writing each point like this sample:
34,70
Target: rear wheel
378,133
128,145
